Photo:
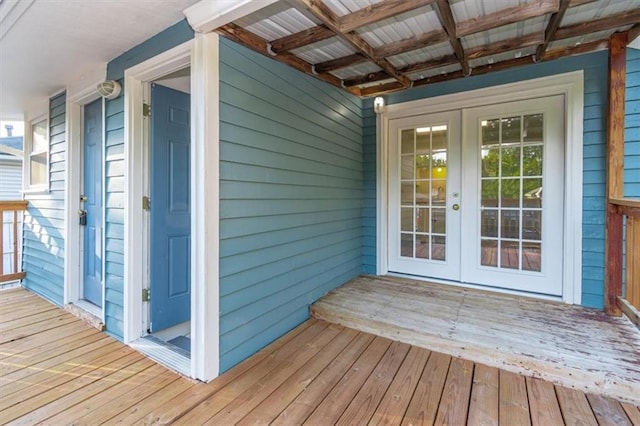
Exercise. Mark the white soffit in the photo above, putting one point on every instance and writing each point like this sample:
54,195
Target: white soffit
48,45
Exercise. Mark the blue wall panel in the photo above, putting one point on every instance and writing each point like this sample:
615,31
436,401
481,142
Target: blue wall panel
595,100
43,256
632,126
291,197
115,169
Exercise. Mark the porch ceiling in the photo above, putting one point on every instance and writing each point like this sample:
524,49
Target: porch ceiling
48,45
371,47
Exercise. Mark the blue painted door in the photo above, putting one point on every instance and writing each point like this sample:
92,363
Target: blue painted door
92,204
170,263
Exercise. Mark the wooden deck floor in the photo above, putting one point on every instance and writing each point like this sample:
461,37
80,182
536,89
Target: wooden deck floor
56,370
567,345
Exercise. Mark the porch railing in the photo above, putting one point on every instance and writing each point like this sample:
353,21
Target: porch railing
11,241
627,209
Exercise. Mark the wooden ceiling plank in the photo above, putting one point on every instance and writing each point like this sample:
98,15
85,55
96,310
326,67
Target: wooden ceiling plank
576,50
343,62
552,27
507,16
448,23
430,64
504,46
381,89
633,33
260,45
364,79
330,19
411,43
630,17
302,38
377,12
576,3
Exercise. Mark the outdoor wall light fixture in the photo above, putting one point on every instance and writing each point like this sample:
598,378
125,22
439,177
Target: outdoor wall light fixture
378,105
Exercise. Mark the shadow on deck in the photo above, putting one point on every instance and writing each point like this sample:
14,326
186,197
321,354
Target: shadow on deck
57,370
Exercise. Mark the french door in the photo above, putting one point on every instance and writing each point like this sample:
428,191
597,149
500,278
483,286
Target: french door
476,195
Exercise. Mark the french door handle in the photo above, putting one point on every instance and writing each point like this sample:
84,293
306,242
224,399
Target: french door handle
456,207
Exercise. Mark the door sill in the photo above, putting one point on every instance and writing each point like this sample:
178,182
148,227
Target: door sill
172,357
488,288
87,312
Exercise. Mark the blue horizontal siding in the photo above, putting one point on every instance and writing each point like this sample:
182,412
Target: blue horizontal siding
632,126
43,232
291,197
115,169
595,101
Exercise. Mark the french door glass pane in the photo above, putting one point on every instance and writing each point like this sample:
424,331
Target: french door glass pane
423,184
511,192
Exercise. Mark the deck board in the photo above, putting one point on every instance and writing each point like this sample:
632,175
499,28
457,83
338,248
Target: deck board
567,345
320,373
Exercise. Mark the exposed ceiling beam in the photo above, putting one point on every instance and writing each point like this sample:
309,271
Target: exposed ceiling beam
430,64
381,89
377,12
330,19
630,17
577,50
347,23
343,62
507,16
552,27
302,38
574,3
411,43
448,22
260,45
504,46
367,78
634,32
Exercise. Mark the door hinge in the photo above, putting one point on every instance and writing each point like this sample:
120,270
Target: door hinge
146,203
146,110
146,294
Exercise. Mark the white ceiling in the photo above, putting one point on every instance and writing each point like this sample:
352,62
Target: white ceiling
42,40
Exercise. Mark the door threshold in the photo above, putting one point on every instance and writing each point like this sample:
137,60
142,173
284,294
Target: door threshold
482,287
171,356
87,312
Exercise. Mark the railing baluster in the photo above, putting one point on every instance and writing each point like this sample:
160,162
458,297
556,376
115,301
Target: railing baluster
14,273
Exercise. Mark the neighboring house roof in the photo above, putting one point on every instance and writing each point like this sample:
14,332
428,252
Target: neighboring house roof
11,147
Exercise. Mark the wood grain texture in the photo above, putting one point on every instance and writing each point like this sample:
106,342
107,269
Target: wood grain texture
484,406
319,373
575,407
545,409
495,330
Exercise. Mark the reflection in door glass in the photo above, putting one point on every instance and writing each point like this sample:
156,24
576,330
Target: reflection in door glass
511,192
423,184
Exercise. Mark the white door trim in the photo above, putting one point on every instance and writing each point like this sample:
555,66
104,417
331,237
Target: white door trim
73,181
571,85
201,54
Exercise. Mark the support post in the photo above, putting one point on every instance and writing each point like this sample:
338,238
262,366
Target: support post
615,173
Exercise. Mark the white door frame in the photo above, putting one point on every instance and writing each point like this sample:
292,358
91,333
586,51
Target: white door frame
201,54
571,85
73,259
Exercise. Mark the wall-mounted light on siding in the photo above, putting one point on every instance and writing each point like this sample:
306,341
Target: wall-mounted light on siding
378,105
109,89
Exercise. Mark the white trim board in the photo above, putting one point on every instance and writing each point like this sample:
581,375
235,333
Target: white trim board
201,54
571,85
